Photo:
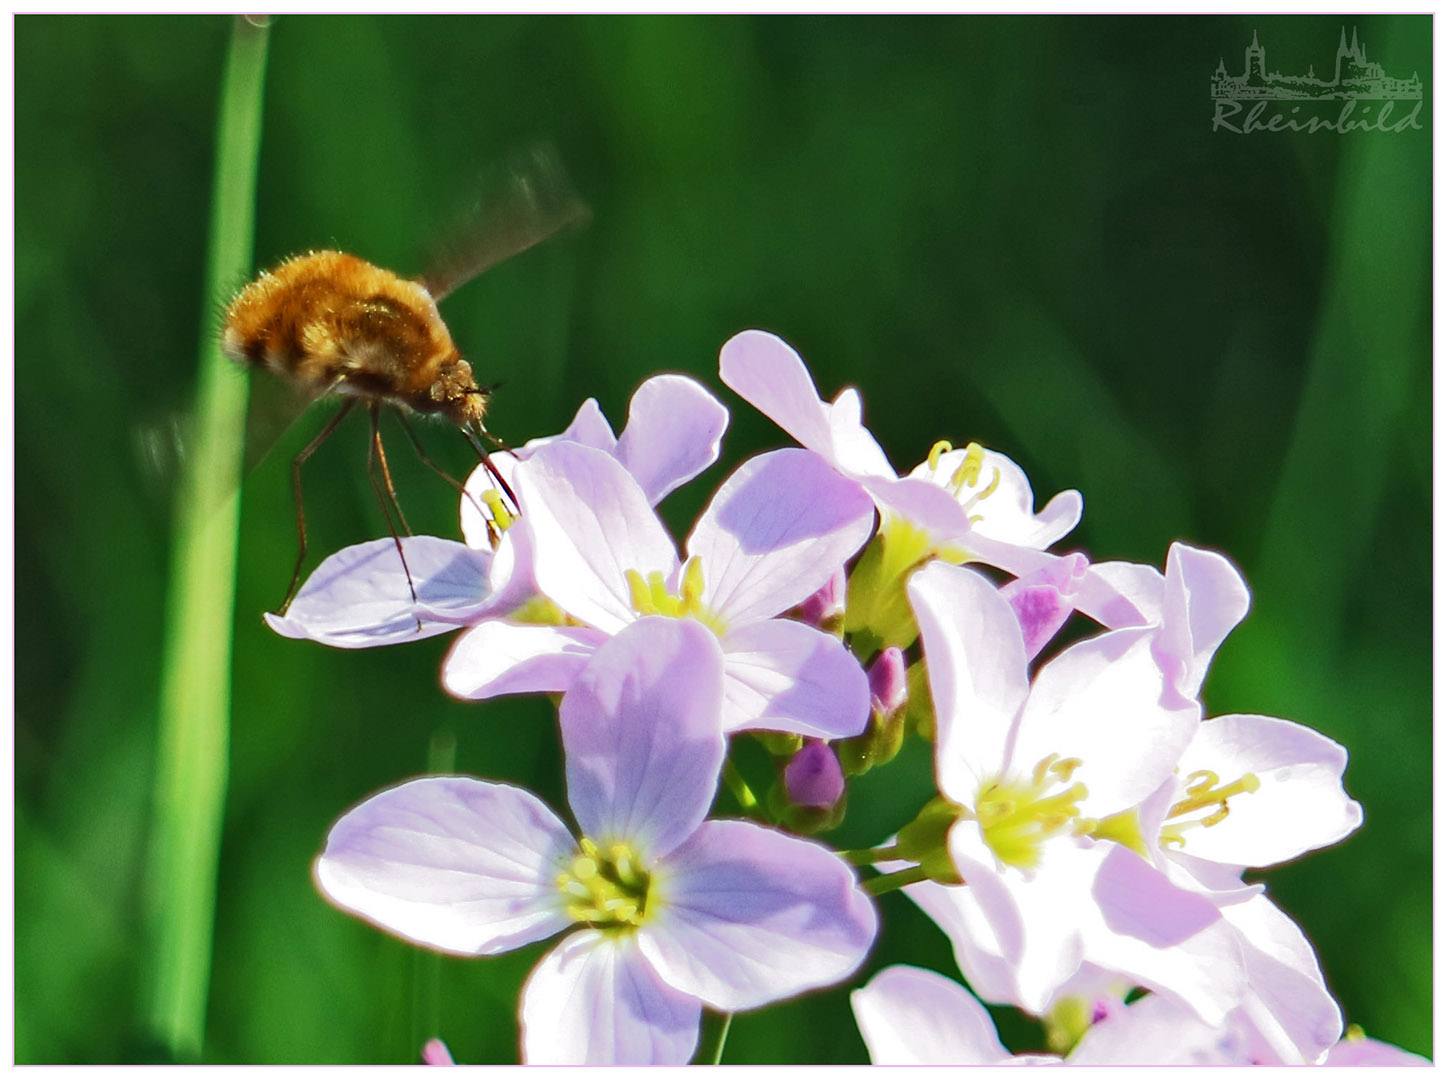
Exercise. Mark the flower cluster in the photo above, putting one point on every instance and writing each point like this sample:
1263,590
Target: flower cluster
1084,849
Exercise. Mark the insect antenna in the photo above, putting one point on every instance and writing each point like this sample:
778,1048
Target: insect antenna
297,463
377,455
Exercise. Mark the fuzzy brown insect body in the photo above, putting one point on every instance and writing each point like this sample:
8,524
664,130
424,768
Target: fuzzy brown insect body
331,323
334,323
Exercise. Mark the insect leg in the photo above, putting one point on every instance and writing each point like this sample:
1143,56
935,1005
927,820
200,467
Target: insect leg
297,462
422,456
376,454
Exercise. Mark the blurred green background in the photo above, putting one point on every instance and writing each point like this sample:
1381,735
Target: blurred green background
1016,230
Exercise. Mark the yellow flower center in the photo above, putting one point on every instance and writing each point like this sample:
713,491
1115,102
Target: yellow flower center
1018,815
1204,791
606,888
966,476
650,596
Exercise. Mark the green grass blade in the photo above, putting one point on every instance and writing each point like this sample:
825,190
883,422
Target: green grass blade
195,704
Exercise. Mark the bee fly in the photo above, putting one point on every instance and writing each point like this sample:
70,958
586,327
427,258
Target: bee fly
330,322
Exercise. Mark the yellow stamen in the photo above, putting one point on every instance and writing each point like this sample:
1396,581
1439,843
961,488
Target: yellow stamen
1204,790
502,516
651,596
609,891
1018,816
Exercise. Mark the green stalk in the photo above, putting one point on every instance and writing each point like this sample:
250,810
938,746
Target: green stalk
195,705
879,886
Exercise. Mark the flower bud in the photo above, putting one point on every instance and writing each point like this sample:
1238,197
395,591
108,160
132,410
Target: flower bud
887,681
826,608
435,1052
813,777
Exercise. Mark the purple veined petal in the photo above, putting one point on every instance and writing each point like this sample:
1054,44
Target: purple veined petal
1365,1051
594,1000
1289,1001
976,663
1007,514
642,739
910,1016
1043,600
771,376
1122,594
1298,806
781,675
450,862
498,657
1204,598
1155,1030
747,915
855,450
591,523
1167,939
774,533
1101,701
358,597
673,433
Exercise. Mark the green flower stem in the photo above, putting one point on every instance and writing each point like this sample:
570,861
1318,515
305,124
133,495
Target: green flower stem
720,1034
740,790
195,702
878,886
870,856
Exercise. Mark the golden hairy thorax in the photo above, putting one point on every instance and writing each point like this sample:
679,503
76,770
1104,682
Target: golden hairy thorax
332,322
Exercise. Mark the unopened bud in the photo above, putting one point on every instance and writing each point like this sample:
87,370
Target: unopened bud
887,681
826,608
813,776
435,1052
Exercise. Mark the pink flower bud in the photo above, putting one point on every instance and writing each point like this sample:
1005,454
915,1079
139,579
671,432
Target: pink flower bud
827,604
435,1052
887,681
813,776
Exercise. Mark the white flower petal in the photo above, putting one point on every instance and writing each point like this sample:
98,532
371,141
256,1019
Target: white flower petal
642,739
747,915
499,657
976,662
450,862
594,1000
910,1016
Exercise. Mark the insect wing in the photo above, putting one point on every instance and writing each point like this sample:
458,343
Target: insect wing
527,200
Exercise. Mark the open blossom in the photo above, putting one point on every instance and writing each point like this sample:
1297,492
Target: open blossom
359,597
668,912
1047,773
1250,792
910,1016
967,503
775,532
